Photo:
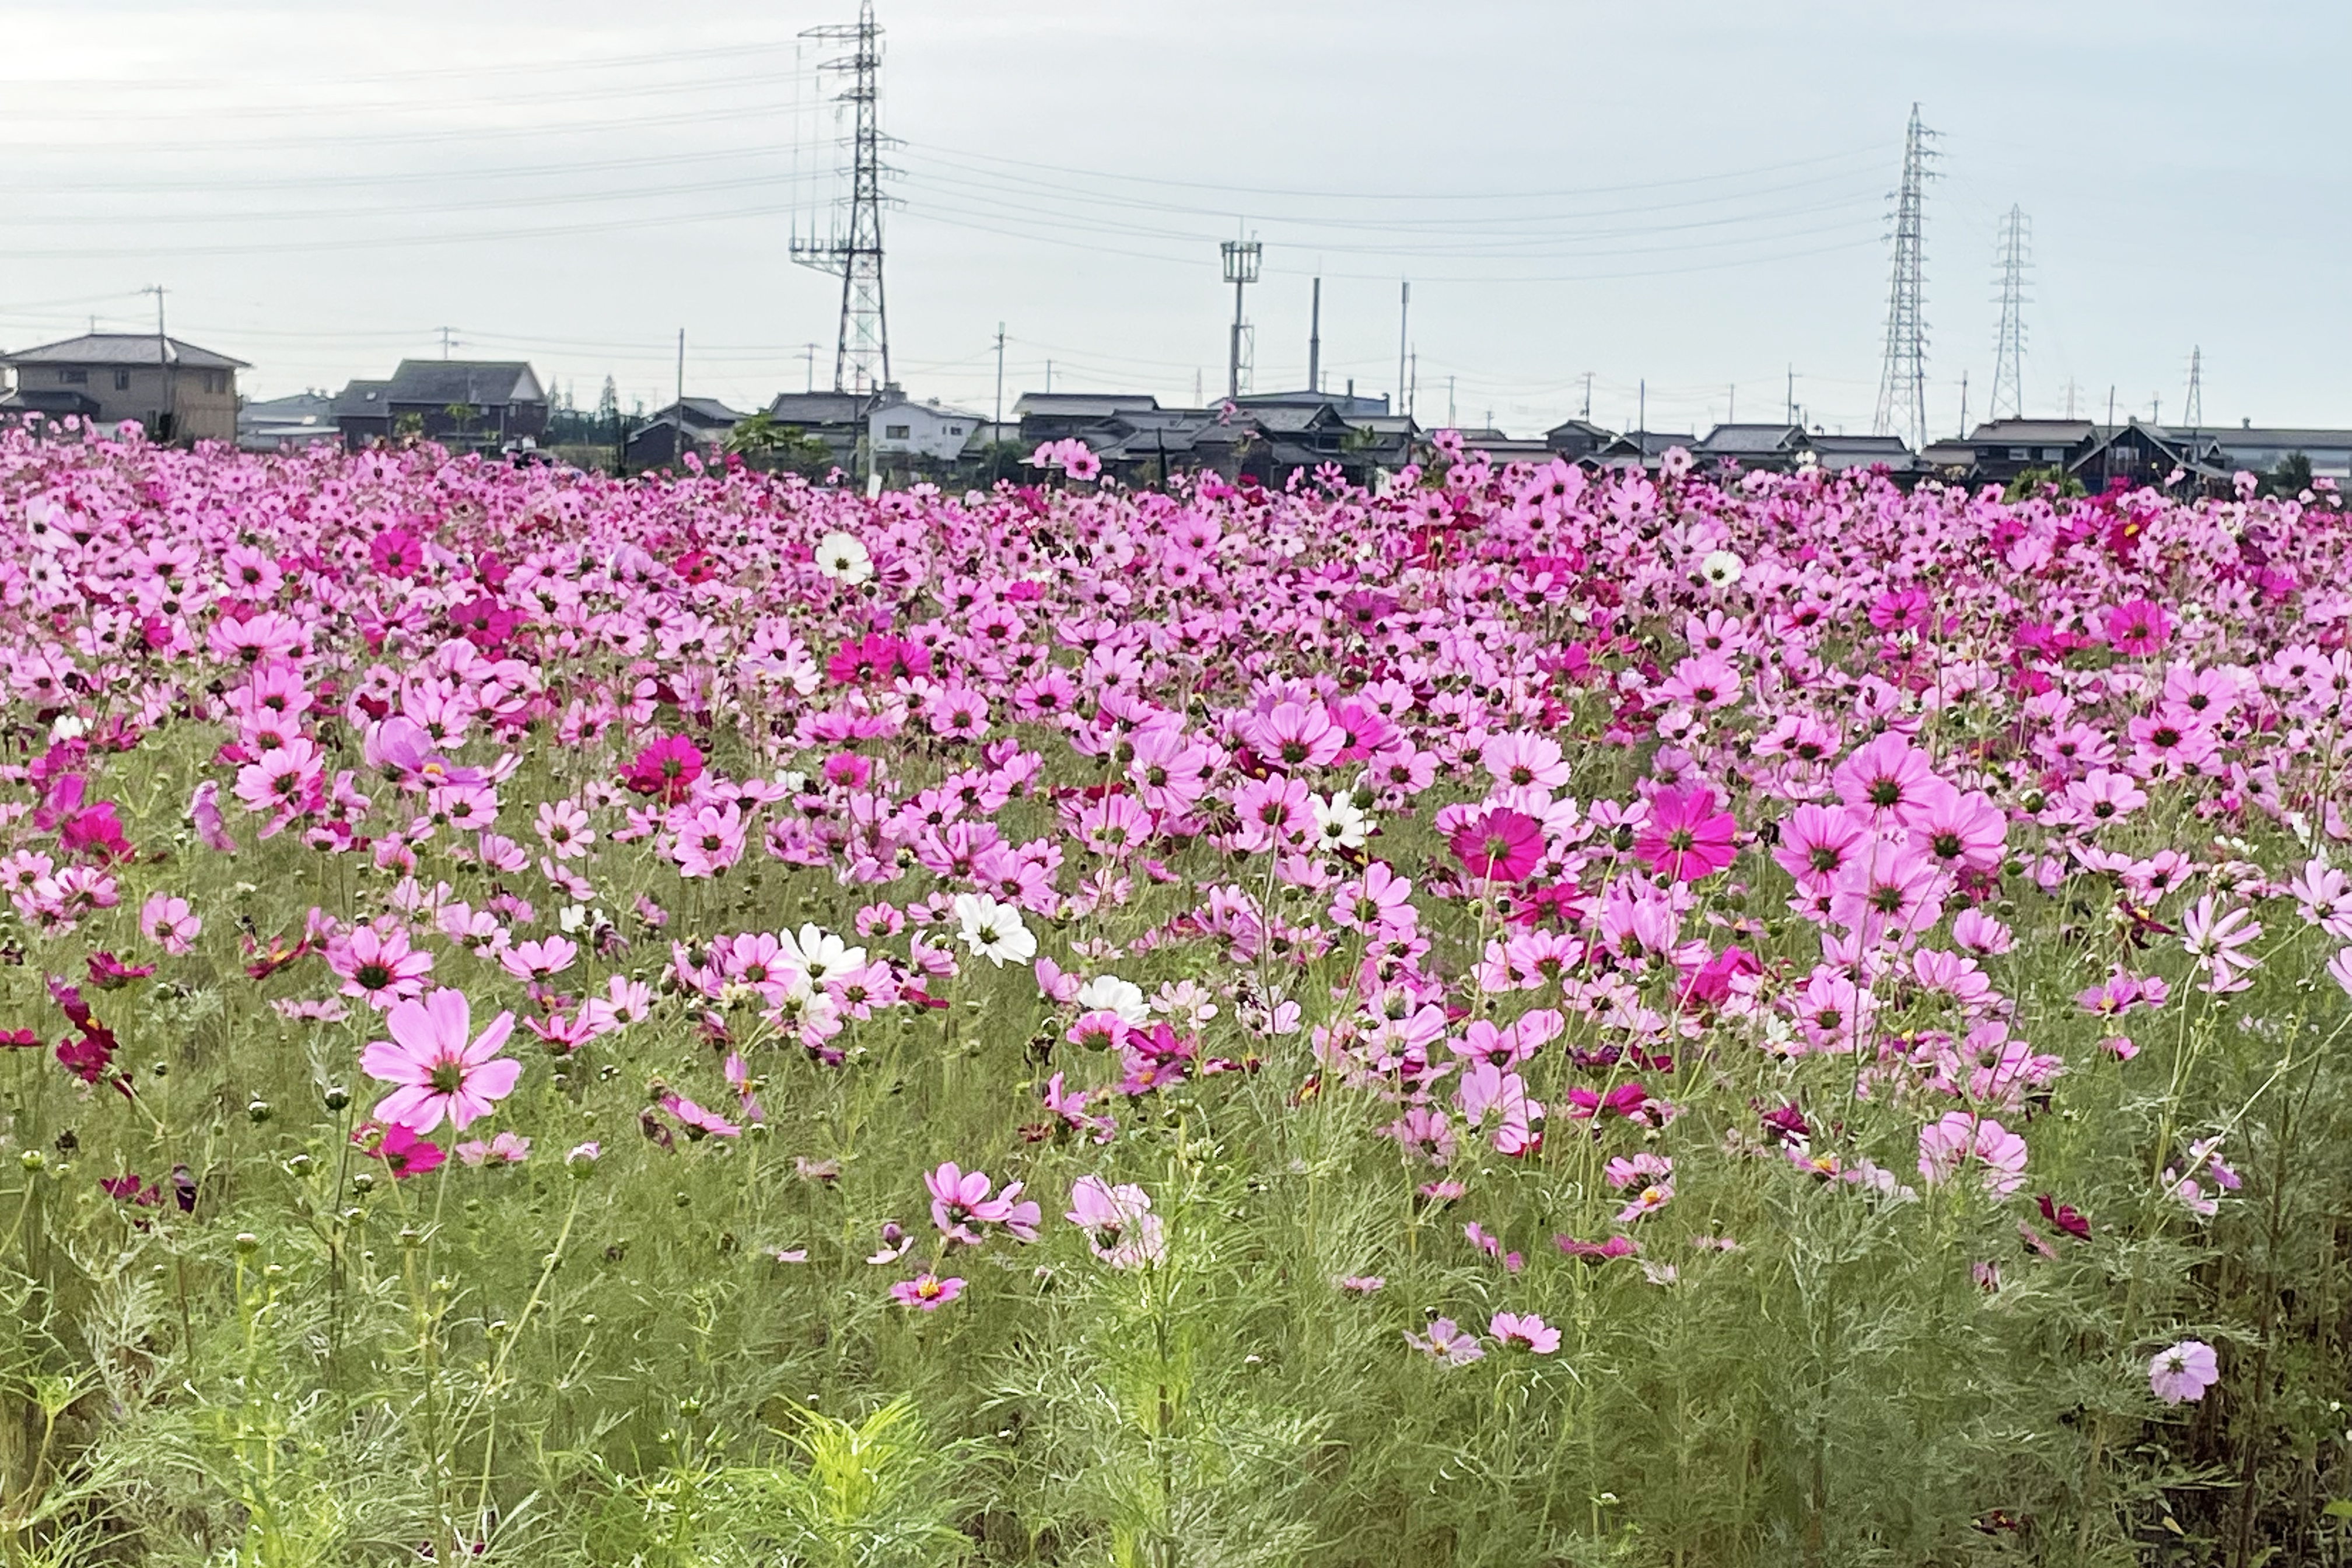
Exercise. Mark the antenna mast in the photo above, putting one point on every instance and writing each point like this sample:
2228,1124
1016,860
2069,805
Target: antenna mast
2009,350
1902,384
861,356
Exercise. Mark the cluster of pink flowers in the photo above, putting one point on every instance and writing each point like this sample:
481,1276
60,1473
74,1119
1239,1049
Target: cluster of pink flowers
1497,801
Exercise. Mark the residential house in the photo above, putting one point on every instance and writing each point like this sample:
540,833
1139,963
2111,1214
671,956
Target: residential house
1776,447
2260,449
176,391
1348,404
273,424
688,425
836,418
905,434
1835,454
1058,415
1643,448
1577,439
475,403
2005,449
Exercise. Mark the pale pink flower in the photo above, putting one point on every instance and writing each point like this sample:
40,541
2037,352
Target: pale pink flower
440,1071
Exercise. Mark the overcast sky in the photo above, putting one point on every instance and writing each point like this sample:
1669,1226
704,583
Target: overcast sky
1694,195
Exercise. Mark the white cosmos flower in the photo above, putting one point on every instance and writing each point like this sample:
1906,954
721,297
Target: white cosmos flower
820,953
1339,822
843,558
993,931
1109,994
1722,568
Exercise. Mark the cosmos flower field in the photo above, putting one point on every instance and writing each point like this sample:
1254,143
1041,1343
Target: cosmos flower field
1540,1018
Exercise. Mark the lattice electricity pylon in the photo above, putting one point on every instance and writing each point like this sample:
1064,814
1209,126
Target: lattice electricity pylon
861,356
2008,349
1902,383
2192,413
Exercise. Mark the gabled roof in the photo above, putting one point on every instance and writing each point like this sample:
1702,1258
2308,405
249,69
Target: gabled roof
123,348
1647,444
807,408
1081,405
2034,432
1582,427
362,400
1757,440
936,411
442,382
2261,436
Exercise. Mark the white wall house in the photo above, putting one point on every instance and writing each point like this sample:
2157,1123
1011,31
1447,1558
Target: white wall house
928,430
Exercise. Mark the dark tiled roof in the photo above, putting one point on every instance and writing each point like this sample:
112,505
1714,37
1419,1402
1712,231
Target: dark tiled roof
122,349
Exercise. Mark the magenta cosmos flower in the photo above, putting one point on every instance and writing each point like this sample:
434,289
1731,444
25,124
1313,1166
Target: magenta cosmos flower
1686,836
1526,1330
439,1070
2184,1373
1501,846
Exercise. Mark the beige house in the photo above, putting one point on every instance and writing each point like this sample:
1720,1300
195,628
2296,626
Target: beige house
176,391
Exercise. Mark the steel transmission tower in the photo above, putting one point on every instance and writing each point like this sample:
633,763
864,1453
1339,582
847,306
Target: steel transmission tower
2192,413
861,355
2009,351
1902,384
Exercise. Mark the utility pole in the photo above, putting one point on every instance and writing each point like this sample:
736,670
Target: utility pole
1791,416
1404,317
2192,411
446,332
1731,416
1449,403
1413,386
861,355
1902,380
998,420
1964,403
1049,376
1314,340
1588,396
167,369
1241,258
1641,417
2009,351
808,357
677,409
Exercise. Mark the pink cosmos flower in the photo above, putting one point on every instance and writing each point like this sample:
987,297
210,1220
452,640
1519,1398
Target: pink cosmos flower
400,1149
959,1199
1685,836
1499,845
1527,1331
1447,1342
667,769
1120,1227
379,967
506,1149
925,1292
166,920
440,1071
2213,937
2139,628
1958,1139
2183,1372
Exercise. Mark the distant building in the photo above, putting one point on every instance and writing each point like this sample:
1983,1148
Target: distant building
1348,404
905,433
2004,448
268,425
2260,449
176,391
681,428
1577,439
1838,453
479,403
1644,448
1776,447
836,418
1058,415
